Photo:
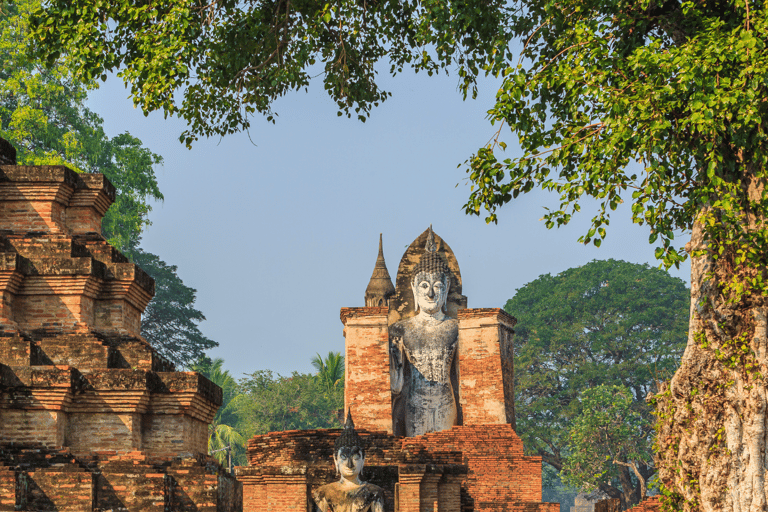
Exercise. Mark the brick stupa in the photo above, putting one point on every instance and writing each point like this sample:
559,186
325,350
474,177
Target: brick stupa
91,417
476,466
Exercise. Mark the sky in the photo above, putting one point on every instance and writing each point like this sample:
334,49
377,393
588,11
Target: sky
278,229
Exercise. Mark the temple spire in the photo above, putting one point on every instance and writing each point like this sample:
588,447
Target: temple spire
380,288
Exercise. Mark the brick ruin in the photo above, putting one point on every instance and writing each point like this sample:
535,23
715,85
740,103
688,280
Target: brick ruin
478,465
92,418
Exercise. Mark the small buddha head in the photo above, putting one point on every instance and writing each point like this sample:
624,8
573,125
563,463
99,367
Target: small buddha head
349,452
431,279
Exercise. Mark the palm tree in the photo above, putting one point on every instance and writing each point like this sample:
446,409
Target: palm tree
221,433
330,371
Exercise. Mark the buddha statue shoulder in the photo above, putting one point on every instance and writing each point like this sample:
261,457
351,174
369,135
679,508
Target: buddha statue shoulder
423,371
350,493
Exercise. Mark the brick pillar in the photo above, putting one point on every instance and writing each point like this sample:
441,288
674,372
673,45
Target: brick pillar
366,359
286,493
429,497
254,490
486,366
409,493
449,493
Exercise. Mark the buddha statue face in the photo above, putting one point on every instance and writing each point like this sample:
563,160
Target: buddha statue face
430,290
349,462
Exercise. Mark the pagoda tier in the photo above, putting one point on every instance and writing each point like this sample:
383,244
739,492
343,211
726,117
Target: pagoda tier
91,416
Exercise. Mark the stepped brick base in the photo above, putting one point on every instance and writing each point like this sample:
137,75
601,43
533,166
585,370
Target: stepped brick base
464,469
43,479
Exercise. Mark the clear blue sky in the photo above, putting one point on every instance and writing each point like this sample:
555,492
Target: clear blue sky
280,231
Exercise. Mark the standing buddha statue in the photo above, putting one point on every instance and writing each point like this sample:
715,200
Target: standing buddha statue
423,372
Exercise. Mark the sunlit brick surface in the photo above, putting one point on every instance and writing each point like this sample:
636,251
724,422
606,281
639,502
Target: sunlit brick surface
91,417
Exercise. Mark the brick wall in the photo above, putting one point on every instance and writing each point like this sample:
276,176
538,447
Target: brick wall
43,427
366,365
486,368
104,431
42,479
652,504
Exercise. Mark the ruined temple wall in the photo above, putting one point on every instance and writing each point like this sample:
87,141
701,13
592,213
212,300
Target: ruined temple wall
366,366
486,366
90,432
467,468
91,417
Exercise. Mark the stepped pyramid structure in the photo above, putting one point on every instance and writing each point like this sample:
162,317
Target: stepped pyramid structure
92,418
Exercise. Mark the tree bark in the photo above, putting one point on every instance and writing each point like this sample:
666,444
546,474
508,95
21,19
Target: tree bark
711,423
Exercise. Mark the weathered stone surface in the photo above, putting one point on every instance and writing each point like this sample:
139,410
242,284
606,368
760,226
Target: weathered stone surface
380,287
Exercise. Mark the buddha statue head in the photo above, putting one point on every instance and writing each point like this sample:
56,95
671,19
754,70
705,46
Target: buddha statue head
349,453
431,279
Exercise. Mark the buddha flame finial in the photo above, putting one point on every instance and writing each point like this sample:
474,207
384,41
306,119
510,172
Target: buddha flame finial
431,246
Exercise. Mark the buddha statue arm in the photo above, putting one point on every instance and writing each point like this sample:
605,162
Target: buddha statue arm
396,362
320,502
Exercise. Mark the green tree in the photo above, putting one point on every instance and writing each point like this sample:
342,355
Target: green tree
170,321
218,63
223,432
330,371
609,434
270,403
43,114
605,323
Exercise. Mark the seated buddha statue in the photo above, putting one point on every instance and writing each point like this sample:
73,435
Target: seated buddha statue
350,493
423,372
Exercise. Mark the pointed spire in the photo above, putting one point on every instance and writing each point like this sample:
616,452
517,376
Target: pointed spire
380,287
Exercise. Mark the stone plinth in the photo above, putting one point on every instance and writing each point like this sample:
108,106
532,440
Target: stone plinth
91,416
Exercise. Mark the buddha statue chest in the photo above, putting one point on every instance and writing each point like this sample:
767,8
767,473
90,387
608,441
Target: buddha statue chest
430,348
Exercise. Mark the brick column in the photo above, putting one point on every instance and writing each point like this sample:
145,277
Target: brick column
366,381
409,493
286,492
486,366
254,490
428,490
449,493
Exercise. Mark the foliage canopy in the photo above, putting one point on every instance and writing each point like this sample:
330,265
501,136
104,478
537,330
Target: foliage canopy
657,102
273,403
216,63
607,323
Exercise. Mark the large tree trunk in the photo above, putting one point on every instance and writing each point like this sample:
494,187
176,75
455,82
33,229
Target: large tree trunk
711,415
